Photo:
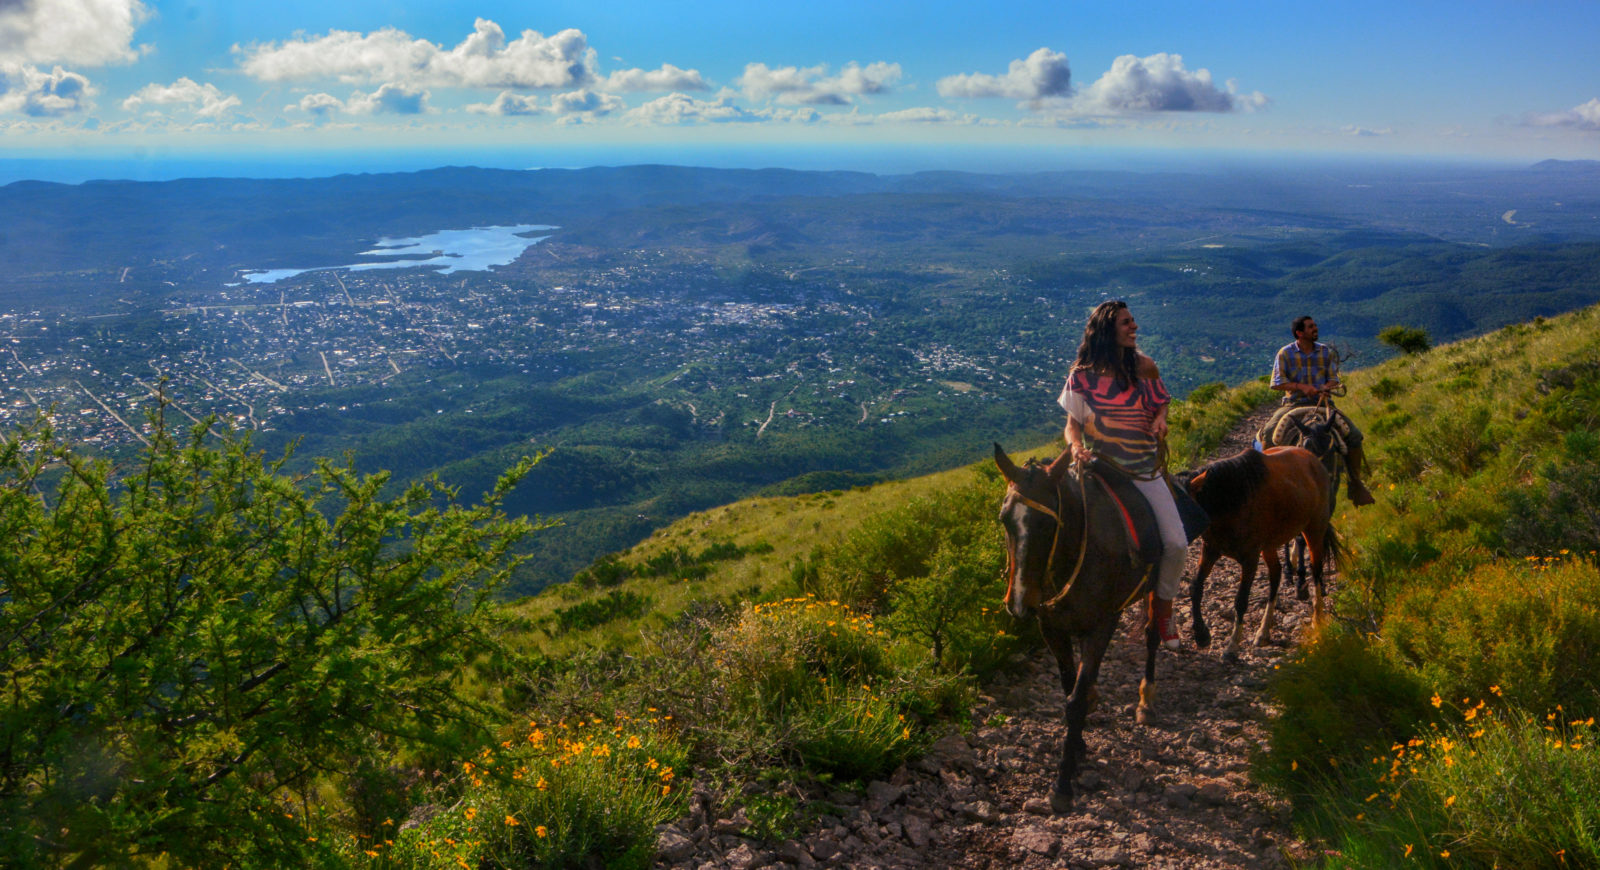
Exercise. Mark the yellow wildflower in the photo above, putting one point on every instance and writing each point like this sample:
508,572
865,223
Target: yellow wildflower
541,832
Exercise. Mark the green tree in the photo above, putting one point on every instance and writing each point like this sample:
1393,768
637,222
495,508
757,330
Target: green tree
1406,339
191,648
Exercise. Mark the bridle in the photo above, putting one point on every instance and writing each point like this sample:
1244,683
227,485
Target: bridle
1055,540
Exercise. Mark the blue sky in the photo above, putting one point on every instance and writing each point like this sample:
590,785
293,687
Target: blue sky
121,79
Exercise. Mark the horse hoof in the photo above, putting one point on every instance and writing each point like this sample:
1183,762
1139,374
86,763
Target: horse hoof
1060,802
1301,594
1230,657
1144,715
1202,641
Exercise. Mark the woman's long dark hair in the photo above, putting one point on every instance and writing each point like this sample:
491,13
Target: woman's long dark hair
1100,352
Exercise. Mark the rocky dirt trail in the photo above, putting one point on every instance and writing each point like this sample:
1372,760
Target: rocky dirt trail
1175,793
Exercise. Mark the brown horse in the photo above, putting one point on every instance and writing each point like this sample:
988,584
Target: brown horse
1070,562
1258,502
1312,428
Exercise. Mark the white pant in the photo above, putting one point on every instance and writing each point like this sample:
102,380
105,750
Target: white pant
1174,544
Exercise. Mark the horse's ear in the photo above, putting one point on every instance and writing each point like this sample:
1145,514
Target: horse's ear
1008,469
1057,468
1197,482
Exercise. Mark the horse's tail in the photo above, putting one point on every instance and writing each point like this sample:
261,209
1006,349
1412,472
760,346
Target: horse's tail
1332,548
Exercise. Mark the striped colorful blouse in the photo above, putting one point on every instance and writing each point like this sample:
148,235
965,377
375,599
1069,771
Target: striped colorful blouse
1116,420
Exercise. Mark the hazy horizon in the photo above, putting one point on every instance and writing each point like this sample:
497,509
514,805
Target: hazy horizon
886,160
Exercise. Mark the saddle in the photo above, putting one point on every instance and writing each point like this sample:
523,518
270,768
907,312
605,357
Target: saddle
1280,429
1136,512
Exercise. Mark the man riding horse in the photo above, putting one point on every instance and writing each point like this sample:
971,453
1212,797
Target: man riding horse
1306,372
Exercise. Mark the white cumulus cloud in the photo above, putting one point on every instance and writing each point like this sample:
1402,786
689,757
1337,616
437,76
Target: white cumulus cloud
86,32
1366,132
585,105
206,100
677,108
483,60
1160,83
813,85
1044,73
509,103
40,94
390,99
667,78
1583,117
926,115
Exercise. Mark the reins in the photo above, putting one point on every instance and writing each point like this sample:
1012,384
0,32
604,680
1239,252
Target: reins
1083,543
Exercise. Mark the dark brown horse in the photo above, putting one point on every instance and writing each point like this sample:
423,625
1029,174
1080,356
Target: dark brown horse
1257,502
1070,562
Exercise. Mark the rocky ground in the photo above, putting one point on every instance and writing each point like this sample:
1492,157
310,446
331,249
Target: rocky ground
1175,793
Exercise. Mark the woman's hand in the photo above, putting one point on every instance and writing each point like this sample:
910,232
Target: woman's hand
1158,426
1081,454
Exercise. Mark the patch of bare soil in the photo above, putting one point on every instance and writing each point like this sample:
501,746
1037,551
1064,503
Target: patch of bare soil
1174,793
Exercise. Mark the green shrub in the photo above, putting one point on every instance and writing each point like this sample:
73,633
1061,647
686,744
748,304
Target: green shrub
956,610
1205,393
851,732
191,643
820,685
1406,339
900,544
1387,388
555,796
1457,441
1514,791
614,605
1530,628
1498,789
1343,698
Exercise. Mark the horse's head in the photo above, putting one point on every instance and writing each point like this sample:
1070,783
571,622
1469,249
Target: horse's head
1316,436
1032,515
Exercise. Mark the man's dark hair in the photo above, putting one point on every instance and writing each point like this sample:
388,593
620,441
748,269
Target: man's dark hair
1300,323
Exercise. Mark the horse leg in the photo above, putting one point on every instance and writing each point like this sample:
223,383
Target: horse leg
1241,603
1197,620
1299,564
1274,576
1094,650
1318,545
1147,685
1062,647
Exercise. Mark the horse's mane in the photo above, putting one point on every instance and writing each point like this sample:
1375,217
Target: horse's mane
1230,482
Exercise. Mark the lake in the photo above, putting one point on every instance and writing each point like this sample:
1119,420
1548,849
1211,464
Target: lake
470,250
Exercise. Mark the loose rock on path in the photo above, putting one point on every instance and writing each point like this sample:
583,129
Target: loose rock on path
1174,793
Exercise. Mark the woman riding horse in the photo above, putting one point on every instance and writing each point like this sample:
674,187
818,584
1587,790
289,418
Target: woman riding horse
1117,411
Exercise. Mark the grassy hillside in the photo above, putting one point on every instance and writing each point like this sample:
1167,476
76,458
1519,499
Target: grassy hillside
761,547
372,707
1448,717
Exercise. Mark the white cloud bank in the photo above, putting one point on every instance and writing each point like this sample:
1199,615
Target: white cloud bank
1134,85
1044,73
87,32
205,100
1160,83
1584,117
390,99
483,60
813,85
667,78
40,94
78,32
